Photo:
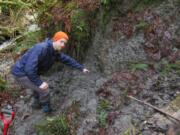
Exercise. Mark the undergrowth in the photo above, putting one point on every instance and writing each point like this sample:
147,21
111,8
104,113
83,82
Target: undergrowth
53,126
2,84
142,4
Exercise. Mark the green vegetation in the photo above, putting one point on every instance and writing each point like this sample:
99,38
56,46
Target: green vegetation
73,17
72,5
2,84
13,17
52,16
45,17
175,104
15,2
139,66
80,32
105,2
62,124
142,25
178,2
169,67
130,131
103,105
165,67
142,4
22,43
80,25
102,111
102,119
27,42
53,126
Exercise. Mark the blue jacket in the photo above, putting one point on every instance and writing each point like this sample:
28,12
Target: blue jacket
39,59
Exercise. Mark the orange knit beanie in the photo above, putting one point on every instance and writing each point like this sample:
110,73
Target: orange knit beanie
58,35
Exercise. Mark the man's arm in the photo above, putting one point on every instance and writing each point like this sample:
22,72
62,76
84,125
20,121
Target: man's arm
70,61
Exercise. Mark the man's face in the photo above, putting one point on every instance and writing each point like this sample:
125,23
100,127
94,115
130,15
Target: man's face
60,44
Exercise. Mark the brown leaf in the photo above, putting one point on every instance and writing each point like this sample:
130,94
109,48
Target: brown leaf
171,131
102,131
174,56
104,92
156,56
111,117
129,76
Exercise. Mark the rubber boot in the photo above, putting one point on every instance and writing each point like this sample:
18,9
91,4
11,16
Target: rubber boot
46,108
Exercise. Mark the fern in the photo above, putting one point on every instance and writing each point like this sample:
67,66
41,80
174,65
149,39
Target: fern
103,106
53,126
102,119
139,66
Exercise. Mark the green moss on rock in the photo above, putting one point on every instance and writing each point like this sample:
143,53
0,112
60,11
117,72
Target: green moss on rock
2,84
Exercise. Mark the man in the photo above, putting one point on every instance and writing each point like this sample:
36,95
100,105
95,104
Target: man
39,59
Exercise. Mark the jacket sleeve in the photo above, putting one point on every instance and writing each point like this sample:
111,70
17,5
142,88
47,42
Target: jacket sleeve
70,61
31,66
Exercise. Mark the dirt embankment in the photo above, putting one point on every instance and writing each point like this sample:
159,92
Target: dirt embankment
138,54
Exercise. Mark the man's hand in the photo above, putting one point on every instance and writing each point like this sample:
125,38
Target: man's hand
85,71
44,86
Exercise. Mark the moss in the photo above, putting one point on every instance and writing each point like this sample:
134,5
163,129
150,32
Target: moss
2,84
143,4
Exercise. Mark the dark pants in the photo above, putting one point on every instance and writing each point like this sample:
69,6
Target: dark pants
42,95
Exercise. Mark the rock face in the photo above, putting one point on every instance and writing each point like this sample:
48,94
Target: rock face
107,59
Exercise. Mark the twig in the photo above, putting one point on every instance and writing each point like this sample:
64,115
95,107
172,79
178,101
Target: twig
159,110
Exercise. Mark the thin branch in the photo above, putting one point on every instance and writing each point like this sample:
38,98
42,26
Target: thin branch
157,109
